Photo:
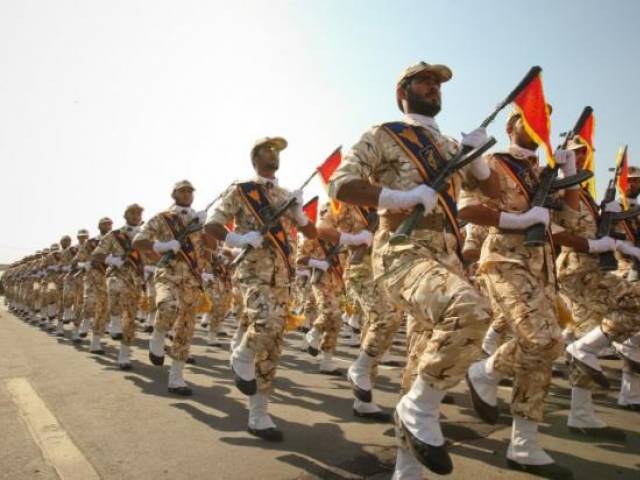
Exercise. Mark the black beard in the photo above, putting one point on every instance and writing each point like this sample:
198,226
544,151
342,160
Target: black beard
420,106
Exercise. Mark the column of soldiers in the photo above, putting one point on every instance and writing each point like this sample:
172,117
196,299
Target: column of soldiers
479,304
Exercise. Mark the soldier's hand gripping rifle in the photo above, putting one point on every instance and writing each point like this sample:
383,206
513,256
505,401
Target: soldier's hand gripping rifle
608,218
373,220
192,227
548,183
331,257
464,156
272,218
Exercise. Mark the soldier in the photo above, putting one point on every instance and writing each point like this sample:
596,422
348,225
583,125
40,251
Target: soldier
70,288
74,285
124,279
94,298
388,169
312,254
629,396
177,282
594,294
521,286
53,286
263,275
217,285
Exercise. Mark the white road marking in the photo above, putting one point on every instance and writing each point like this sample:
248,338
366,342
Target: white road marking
56,445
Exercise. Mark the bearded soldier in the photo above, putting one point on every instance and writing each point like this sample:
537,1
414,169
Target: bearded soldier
263,275
389,168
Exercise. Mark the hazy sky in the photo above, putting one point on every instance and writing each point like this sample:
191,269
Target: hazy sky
106,103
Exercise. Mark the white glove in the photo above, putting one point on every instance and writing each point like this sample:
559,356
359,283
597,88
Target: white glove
520,221
474,138
66,268
241,240
296,209
399,199
114,261
149,269
613,206
627,248
567,161
321,264
201,216
363,237
168,246
207,277
604,244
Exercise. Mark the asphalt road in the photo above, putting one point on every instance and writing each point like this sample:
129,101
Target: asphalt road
65,413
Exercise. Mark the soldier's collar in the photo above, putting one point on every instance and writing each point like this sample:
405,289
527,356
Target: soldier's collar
130,230
184,211
422,121
266,181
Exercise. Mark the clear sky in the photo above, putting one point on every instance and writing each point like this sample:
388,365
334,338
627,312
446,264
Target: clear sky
106,103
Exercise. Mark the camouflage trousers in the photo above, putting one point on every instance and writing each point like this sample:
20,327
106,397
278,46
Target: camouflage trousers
123,303
237,307
95,300
53,296
431,286
176,306
527,300
329,319
419,331
381,319
221,298
72,298
310,308
601,299
266,309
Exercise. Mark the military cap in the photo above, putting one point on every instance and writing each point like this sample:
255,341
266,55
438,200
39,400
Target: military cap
83,232
278,142
442,72
54,247
182,184
65,237
576,143
105,220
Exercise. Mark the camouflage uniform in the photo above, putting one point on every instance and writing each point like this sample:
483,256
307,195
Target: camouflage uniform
218,289
178,285
95,298
598,298
520,283
124,283
264,281
327,295
423,276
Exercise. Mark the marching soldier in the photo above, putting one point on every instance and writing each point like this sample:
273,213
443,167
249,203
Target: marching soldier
124,280
94,297
388,169
521,286
177,281
263,275
594,294
312,254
